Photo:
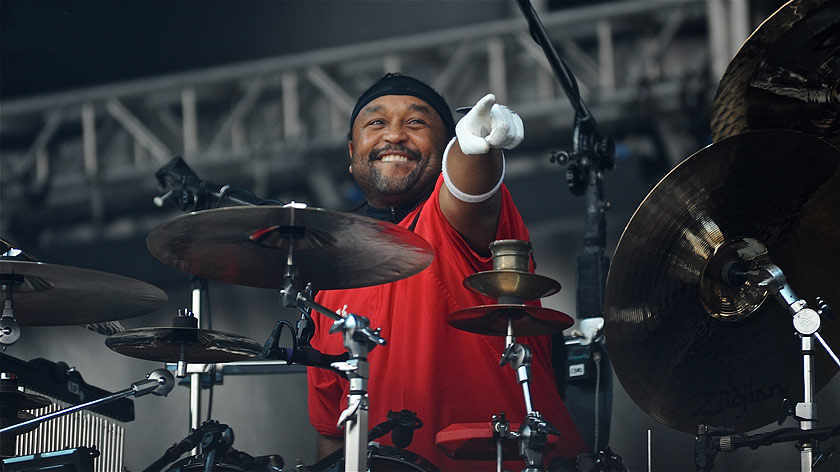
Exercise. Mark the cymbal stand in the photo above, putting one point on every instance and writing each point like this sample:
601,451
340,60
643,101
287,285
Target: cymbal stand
9,327
806,321
197,290
158,382
359,339
533,434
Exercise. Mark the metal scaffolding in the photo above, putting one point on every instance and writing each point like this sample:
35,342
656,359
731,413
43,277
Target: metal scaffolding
80,164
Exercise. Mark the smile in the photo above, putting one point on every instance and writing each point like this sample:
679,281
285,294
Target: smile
394,158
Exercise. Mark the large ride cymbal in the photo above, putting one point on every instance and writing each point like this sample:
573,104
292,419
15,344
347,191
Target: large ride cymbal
690,349
55,295
250,246
192,345
786,75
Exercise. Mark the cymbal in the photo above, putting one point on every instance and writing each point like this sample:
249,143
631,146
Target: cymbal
199,345
786,75
249,246
688,348
53,295
511,283
527,320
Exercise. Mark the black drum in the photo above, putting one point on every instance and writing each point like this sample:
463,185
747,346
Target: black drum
232,461
380,459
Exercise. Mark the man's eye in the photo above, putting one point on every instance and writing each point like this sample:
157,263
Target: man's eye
417,121
375,122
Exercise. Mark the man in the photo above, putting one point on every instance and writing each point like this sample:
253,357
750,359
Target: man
444,182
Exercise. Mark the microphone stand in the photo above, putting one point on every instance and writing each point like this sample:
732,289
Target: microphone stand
591,156
158,382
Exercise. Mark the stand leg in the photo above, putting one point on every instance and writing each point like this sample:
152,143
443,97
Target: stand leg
806,410
195,379
355,442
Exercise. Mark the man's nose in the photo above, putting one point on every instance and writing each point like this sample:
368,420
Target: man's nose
395,133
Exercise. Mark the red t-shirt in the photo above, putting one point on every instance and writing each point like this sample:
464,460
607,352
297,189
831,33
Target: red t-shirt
444,374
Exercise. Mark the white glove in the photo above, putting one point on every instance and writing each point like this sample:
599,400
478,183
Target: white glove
489,125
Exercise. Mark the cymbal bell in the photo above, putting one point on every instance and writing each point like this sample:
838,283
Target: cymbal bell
168,344
55,295
786,75
250,246
512,283
526,320
690,349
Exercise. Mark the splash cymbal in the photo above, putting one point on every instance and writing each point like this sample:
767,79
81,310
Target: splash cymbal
688,348
786,75
55,295
250,246
167,344
527,320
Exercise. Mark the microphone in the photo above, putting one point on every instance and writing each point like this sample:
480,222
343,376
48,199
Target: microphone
309,356
176,174
405,422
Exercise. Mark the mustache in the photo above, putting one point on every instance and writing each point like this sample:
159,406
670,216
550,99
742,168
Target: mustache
374,154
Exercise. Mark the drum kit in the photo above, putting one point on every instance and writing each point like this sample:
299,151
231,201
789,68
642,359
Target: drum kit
698,303
294,249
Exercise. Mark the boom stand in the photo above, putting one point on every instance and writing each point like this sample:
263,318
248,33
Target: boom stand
359,339
807,324
533,434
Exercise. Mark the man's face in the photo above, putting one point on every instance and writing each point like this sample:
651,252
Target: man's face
396,149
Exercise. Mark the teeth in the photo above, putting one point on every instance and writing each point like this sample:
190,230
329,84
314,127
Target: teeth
394,158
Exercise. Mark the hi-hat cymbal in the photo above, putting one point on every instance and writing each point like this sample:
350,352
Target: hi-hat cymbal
250,246
786,75
168,344
690,349
527,320
53,295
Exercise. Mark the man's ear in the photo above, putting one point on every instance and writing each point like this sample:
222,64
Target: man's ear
350,149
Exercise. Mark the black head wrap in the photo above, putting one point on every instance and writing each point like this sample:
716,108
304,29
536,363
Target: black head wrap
398,84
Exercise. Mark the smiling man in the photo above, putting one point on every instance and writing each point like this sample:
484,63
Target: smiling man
444,182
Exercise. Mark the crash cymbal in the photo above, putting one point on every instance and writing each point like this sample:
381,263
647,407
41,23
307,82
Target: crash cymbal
250,245
528,320
511,283
199,345
52,295
786,75
690,349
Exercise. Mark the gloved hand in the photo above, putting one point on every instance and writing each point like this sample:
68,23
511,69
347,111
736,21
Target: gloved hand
489,125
